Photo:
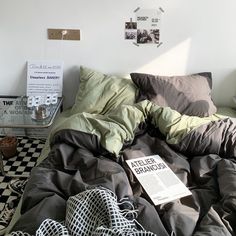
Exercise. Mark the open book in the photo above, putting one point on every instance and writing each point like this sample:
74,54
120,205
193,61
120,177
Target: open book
157,179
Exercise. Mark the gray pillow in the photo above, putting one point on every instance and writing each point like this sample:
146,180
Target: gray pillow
188,94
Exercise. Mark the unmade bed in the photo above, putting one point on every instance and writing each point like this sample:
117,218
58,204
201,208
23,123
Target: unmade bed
83,186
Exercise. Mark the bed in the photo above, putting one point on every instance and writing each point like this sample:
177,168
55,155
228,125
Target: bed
82,184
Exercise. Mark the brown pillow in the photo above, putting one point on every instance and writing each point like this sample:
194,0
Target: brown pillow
189,94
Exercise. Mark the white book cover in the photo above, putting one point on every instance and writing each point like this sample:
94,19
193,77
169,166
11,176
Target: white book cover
157,179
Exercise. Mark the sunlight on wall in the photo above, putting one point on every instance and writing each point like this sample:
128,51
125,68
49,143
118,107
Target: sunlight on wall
172,62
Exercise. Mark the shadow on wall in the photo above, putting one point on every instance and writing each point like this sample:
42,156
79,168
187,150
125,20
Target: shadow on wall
187,31
70,85
20,83
224,88
192,47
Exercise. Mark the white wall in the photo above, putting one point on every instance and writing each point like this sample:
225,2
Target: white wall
197,36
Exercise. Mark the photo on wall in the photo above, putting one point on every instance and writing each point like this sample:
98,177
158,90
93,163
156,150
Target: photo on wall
148,26
131,30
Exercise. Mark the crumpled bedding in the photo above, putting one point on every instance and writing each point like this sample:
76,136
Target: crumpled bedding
89,150
94,212
118,126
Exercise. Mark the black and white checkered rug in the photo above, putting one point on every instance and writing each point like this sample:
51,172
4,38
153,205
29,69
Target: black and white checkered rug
19,166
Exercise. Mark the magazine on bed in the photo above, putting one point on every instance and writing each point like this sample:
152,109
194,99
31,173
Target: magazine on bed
157,179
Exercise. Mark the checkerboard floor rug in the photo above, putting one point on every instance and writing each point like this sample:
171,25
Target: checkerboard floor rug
19,166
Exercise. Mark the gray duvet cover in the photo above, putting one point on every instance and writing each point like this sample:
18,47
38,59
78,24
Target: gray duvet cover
90,151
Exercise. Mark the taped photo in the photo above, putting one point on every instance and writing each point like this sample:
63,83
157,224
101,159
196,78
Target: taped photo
148,26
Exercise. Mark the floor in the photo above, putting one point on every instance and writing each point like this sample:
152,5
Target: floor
29,150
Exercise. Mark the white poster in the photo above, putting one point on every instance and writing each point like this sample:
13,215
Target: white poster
44,77
148,26
157,179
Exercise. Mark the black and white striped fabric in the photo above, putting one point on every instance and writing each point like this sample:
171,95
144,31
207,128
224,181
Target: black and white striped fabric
94,212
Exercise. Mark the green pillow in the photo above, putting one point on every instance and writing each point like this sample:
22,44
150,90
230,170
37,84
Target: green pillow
99,93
